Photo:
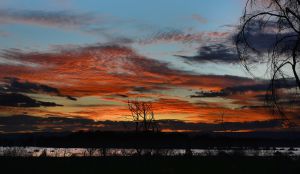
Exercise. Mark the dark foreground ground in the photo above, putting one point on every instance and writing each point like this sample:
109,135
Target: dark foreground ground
153,165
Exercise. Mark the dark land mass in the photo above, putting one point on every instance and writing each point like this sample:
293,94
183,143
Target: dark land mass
152,140
153,165
221,163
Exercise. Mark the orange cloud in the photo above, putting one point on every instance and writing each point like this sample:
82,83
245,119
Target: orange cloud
117,73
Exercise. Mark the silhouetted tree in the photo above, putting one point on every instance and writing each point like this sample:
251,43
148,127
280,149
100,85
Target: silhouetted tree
270,33
221,121
44,153
103,151
91,151
143,115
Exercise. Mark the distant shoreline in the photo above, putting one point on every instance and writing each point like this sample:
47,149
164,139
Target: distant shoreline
152,140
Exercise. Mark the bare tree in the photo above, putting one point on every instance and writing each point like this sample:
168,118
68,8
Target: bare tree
143,115
270,34
221,121
44,153
91,151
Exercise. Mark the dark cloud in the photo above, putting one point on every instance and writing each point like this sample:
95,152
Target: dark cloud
263,86
121,95
201,94
15,85
23,123
141,89
13,93
48,18
261,35
239,89
286,99
20,100
217,53
71,98
255,107
246,88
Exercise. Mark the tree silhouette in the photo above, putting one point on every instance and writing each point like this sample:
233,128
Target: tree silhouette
143,115
270,34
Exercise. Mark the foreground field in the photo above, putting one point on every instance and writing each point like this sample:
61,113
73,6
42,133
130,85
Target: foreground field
153,165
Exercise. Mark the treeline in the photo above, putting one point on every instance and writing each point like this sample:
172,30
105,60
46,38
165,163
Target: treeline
151,140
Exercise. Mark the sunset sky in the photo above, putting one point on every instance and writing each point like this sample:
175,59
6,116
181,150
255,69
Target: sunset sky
86,59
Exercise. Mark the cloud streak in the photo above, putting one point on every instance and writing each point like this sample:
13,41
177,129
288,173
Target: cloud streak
20,100
15,85
45,18
179,36
199,18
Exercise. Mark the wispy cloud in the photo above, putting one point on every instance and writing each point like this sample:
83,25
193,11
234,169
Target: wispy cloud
199,18
46,18
175,35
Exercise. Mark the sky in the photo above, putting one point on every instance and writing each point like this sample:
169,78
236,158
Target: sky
83,60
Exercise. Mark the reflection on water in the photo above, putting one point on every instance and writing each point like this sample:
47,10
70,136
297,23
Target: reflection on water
98,152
